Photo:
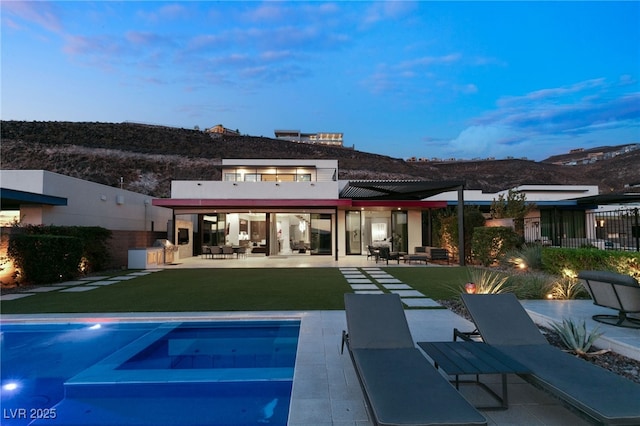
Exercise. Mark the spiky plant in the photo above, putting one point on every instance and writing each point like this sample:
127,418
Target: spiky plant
528,257
566,288
487,281
531,285
576,338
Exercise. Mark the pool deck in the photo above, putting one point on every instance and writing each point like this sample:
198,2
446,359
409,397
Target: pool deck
326,390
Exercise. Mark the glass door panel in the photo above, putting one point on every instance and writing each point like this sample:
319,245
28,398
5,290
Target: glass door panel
353,237
321,235
399,233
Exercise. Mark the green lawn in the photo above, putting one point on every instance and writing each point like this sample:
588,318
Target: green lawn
189,290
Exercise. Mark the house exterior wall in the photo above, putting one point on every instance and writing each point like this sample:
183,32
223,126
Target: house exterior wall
253,190
414,226
88,203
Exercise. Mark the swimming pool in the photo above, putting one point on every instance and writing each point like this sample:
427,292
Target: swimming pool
169,373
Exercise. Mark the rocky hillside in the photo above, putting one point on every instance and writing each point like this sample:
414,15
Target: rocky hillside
149,157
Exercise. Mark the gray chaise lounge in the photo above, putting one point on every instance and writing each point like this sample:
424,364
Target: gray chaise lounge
400,385
604,396
615,291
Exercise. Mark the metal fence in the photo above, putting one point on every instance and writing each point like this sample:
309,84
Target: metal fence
607,230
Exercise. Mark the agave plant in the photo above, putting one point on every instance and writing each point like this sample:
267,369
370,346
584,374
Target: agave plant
487,281
576,337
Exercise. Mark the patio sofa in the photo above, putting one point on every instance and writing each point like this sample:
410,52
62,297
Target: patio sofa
615,291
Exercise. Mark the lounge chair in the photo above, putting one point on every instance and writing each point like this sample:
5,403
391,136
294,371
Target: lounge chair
400,385
616,291
602,395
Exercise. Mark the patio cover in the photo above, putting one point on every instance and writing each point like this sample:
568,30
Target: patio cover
396,189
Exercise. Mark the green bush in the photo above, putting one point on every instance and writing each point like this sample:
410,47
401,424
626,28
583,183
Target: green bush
94,239
45,259
568,261
490,244
531,285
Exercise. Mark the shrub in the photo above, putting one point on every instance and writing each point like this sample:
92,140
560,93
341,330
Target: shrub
44,259
568,261
486,281
94,240
491,244
531,285
527,257
567,288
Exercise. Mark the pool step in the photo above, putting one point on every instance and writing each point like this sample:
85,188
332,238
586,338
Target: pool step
175,404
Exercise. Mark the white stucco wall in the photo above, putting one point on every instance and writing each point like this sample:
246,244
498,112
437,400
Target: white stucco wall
88,203
189,189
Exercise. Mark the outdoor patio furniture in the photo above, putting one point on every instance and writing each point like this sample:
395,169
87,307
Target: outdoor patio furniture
474,358
373,252
615,291
400,385
206,252
227,251
600,394
215,251
387,255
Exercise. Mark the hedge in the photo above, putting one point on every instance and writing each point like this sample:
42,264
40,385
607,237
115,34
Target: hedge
557,260
45,259
491,243
95,250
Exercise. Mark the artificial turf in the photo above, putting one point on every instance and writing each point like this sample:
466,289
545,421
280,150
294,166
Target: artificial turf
202,290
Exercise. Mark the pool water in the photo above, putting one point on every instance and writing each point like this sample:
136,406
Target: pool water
182,373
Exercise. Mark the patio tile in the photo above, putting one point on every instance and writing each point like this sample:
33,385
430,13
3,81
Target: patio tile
420,302
369,292
400,286
45,289
351,275
388,280
78,289
140,274
105,282
123,277
93,278
408,293
15,296
364,287
68,283
358,280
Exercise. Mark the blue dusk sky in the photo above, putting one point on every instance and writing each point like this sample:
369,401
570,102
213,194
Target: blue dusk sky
426,79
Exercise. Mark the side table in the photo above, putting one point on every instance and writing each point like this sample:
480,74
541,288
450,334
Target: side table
474,358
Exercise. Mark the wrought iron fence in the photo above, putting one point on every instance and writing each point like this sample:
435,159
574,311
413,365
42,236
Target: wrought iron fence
607,229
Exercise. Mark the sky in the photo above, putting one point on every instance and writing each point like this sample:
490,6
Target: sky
405,79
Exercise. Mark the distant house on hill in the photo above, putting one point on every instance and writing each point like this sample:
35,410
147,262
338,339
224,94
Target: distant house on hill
219,130
321,138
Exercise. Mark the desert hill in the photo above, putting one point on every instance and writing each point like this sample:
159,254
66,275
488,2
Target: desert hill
149,157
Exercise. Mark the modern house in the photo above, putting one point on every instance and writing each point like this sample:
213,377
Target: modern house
321,138
569,215
299,207
39,197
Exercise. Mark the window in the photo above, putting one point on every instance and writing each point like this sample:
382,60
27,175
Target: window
232,177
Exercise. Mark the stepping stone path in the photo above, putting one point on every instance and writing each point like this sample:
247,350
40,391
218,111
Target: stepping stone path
80,285
376,281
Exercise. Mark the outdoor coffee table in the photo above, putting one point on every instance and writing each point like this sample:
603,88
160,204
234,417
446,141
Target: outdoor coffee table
474,358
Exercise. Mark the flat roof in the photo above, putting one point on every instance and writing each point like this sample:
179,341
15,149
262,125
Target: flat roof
12,199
